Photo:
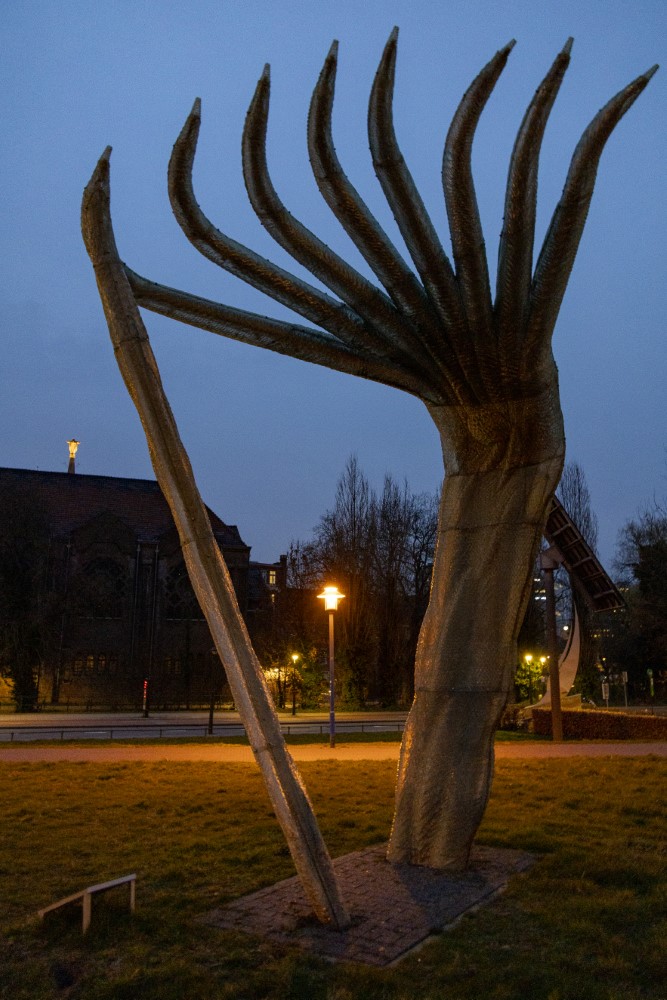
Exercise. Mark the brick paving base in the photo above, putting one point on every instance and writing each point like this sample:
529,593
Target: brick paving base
394,907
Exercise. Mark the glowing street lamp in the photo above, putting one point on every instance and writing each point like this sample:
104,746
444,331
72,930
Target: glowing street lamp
331,596
295,657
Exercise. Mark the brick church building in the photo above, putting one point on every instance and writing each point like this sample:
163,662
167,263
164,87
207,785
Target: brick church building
122,620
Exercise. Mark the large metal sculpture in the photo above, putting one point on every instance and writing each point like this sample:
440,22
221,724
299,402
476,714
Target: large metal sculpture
484,370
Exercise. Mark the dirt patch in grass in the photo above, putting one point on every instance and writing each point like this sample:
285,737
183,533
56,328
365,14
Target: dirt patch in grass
586,921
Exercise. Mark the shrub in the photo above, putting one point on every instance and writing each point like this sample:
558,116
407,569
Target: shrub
592,725
513,718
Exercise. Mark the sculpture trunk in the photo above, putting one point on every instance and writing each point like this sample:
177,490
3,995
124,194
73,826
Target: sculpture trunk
491,520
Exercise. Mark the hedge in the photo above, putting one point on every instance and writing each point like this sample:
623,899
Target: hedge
588,724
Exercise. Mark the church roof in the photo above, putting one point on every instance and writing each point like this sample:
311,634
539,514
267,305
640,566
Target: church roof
72,500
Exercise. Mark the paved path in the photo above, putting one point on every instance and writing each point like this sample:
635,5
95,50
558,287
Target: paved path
344,751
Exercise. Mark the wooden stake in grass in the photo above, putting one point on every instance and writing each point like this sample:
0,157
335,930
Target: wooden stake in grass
208,573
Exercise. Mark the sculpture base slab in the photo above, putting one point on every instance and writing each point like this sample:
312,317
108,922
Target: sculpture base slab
394,907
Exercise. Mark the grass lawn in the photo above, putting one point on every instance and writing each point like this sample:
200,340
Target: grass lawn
588,922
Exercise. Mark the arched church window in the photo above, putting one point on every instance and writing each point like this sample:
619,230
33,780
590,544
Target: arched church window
105,589
180,600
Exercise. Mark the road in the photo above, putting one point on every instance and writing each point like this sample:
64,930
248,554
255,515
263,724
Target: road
124,725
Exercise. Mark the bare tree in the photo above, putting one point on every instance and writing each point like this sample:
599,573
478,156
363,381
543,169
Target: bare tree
379,548
484,370
345,541
576,498
419,563
395,655
639,641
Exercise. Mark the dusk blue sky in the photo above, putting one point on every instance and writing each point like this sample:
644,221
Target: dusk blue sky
269,436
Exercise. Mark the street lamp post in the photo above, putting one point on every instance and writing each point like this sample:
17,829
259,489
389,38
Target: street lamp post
331,596
543,677
295,657
211,706
529,667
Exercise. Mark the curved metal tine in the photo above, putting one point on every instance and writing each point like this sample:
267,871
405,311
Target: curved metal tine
368,302
305,299
206,568
355,217
567,223
414,222
464,223
515,254
292,340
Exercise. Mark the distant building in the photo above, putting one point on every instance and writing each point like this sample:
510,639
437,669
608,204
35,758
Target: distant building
267,583
266,607
123,611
